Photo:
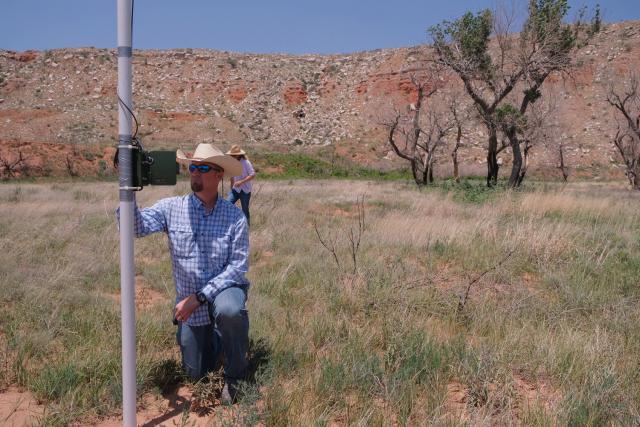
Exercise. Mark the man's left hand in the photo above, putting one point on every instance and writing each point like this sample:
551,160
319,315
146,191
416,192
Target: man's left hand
185,308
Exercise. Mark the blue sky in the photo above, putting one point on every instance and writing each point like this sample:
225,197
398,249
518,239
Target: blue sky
261,26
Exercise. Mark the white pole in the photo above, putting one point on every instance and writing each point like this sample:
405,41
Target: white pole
127,200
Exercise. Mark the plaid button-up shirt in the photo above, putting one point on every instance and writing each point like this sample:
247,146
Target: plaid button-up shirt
209,251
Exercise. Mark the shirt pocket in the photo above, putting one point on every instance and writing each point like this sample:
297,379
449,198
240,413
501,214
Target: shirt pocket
217,246
182,241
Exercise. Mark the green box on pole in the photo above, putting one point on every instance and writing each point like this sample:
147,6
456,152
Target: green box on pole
164,169
154,168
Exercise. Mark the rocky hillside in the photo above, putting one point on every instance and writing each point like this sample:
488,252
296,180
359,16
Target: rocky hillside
61,104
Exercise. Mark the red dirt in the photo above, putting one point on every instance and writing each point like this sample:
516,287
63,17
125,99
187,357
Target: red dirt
146,297
172,409
24,116
540,392
396,86
528,394
19,408
50,159
26,56
345,99
328,89
237,94
294,94
456,402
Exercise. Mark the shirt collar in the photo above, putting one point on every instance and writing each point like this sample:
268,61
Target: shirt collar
198,204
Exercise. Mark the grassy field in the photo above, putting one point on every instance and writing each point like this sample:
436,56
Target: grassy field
463,305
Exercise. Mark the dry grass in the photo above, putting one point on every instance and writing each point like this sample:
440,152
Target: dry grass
549,337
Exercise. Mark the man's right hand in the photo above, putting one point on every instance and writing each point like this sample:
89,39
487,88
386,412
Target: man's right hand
185,308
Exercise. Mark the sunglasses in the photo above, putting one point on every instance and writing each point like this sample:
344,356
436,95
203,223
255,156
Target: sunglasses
203,168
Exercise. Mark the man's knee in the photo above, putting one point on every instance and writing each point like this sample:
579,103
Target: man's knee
230,313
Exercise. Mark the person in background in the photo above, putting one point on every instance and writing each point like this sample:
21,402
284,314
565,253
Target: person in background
241,185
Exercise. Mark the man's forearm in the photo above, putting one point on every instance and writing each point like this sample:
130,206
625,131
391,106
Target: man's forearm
244,180
219,284
232,275
151,221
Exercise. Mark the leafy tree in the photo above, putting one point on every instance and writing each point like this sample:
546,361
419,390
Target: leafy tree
492,70
546,43
463,46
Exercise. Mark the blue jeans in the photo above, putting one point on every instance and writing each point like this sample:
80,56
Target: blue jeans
244,201
201,346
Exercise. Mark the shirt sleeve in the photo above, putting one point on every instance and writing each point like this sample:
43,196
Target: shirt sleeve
238,265
149,220
250,170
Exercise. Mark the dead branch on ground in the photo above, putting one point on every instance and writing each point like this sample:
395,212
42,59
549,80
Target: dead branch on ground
462,302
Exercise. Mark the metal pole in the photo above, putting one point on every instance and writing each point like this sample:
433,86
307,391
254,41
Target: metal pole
127,200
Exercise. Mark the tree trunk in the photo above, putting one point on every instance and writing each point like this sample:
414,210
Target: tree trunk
456,170
492,156
634,175
523,170
563,168
514,179
425,176
454,156
414,172
428,168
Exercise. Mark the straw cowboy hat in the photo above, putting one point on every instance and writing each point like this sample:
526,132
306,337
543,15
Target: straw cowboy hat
210,154
236,151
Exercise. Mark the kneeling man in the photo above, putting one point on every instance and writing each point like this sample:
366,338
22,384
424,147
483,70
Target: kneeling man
209,246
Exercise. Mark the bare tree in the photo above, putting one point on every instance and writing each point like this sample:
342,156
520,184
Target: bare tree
534,133
458,116
355,233
71,168
418,134
561,163
626,101
330,243
10,168
543,128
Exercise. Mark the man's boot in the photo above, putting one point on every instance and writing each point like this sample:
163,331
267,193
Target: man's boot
229,392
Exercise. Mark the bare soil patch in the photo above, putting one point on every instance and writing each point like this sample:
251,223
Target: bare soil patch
146,297
19,408
529,394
